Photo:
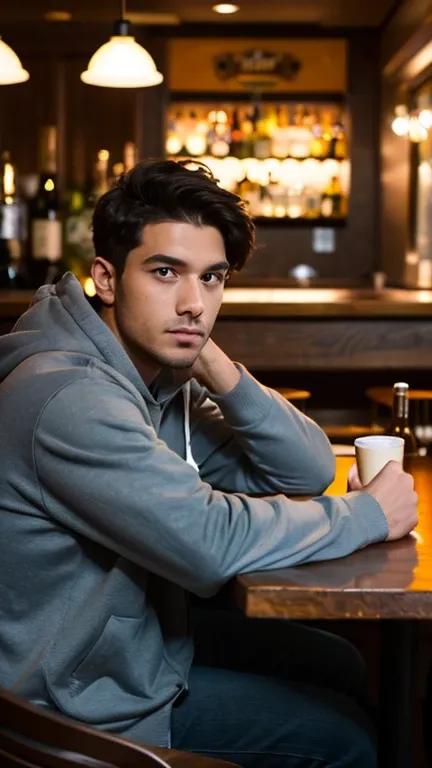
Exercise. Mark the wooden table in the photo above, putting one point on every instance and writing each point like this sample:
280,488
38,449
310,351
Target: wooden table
391,581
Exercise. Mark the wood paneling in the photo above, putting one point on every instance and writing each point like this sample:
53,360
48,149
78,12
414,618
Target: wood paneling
320,345
403,26
323,64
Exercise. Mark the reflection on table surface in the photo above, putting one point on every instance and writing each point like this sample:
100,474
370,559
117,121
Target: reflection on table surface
392,579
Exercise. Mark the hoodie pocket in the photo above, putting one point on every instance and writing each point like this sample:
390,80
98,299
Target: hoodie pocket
109,659
124,675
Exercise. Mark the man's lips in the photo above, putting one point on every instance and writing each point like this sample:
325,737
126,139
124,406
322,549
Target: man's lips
187,334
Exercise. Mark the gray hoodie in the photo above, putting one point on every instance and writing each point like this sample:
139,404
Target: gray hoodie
106,524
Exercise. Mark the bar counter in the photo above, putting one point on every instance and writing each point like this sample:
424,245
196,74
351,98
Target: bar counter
320,329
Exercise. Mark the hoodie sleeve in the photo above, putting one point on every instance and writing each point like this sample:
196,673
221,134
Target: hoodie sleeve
103,473
253,441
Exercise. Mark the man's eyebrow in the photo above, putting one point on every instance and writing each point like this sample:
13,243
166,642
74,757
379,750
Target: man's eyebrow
173,261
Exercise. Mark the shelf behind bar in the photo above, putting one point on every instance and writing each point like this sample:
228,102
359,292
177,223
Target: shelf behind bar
300,221
252,97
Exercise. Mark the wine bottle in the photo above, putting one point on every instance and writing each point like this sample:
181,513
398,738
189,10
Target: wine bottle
237,148
101,182
11,227
399,425
262,148
45,224
332,203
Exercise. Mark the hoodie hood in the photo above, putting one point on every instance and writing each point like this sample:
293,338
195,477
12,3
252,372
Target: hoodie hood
60,319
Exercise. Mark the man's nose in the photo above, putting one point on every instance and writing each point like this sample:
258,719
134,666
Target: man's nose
190,298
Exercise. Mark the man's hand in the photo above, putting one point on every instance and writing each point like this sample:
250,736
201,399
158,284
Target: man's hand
215,370
394,491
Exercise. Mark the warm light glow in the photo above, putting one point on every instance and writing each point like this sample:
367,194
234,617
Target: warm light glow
217,116
11,70
49,185
57,16
8,181
226,8
122,63
281,295
425,118
89,287
196,144
400,125
173,144
417,132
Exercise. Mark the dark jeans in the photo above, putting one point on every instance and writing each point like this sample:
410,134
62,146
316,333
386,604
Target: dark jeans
274,694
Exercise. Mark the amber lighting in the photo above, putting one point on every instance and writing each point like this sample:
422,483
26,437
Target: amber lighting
225,8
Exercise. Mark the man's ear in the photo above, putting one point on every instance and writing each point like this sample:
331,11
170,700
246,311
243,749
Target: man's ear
104,278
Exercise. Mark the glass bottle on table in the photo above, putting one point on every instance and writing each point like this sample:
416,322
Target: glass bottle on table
399,425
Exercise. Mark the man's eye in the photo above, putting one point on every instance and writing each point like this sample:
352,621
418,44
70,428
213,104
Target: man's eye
212,277
163,271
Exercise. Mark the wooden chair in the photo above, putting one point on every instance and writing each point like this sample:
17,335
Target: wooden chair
32,737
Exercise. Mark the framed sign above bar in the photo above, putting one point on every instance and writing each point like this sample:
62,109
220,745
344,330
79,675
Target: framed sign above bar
224,65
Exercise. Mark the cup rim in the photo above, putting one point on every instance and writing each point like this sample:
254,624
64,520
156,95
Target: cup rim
375,442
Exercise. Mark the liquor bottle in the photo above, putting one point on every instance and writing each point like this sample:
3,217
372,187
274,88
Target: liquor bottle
237,148
262,144
281,139
332,202
44,265
101,182
399,425
196,141
11,227
318,145
301,134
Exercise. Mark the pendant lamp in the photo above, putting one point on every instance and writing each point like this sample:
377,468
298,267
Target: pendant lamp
11,69
122,62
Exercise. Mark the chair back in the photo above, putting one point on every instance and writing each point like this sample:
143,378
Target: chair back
34,736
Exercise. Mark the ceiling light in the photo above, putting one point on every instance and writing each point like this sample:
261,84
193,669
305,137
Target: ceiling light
226,8
122,62
11,69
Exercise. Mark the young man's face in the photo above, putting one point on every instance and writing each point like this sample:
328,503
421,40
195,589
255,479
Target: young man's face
167,300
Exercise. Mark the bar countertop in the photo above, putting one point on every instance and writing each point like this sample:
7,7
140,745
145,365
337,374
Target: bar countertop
291,302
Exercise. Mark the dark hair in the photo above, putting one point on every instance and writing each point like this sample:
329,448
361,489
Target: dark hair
164,190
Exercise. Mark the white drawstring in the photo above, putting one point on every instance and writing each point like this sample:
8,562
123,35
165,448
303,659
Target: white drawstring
186,399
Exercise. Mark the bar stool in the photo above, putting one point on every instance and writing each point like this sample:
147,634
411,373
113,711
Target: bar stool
420,410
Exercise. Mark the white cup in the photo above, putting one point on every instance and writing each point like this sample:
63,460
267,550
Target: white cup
374,452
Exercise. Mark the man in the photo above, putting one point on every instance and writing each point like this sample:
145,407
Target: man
132,450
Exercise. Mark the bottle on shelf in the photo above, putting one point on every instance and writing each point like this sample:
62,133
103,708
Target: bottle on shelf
301,135
399,425
262,139
318,145
219,136
332,201
100,177
44,264
237,147
12,231
281,139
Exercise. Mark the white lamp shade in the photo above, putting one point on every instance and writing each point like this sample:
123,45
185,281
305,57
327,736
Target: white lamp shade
122,63
11,70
